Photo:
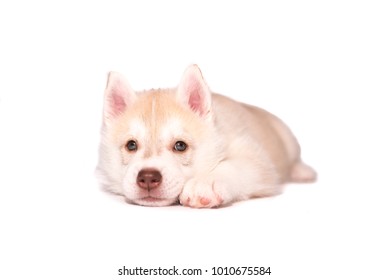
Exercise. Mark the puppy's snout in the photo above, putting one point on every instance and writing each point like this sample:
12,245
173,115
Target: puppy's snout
149,179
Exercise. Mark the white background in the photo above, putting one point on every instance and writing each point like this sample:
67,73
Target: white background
322,66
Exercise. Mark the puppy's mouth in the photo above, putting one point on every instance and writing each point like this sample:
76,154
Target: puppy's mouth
154,201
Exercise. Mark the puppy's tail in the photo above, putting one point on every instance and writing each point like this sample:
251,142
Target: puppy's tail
302,173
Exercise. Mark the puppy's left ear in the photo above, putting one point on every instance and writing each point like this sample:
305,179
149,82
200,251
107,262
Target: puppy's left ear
118,96
194,92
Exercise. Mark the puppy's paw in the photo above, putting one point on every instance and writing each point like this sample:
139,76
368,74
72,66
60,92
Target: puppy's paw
200,194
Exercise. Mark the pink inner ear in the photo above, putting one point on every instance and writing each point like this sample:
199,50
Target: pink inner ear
118,105
194,92
117,102
195,99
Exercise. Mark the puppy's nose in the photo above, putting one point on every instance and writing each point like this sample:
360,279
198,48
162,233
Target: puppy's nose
149,179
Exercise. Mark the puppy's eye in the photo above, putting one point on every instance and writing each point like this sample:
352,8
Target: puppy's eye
131,146
180,146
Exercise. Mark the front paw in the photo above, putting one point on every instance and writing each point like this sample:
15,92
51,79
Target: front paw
200,194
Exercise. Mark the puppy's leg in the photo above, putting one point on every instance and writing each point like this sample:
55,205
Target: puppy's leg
230,181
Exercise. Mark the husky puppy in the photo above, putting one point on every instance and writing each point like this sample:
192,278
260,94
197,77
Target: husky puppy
192,146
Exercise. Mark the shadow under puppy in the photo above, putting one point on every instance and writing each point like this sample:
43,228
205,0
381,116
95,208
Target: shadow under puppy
192,146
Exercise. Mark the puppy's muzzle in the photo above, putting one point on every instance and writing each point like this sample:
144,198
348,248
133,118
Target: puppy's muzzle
149,179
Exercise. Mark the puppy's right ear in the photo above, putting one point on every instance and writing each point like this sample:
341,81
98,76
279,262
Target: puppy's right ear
194,92
118,96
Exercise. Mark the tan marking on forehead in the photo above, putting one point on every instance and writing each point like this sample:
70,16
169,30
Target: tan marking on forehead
154,109
151,127
157,107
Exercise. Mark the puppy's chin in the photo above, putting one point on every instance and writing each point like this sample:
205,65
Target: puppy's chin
152,201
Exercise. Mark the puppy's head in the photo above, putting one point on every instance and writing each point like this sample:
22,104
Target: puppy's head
152,140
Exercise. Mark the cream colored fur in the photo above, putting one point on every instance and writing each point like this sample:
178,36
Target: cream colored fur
234,151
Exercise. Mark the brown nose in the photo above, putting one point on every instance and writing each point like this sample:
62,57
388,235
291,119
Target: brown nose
149,179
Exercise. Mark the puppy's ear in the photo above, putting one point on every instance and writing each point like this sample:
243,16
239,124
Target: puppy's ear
194,92
118,96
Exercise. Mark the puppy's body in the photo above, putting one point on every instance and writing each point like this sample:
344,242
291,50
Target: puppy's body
189,145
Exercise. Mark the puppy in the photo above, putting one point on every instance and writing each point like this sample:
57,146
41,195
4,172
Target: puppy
192,146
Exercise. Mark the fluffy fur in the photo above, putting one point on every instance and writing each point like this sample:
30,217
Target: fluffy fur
233,151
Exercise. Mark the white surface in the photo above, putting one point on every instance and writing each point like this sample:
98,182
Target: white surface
323,68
